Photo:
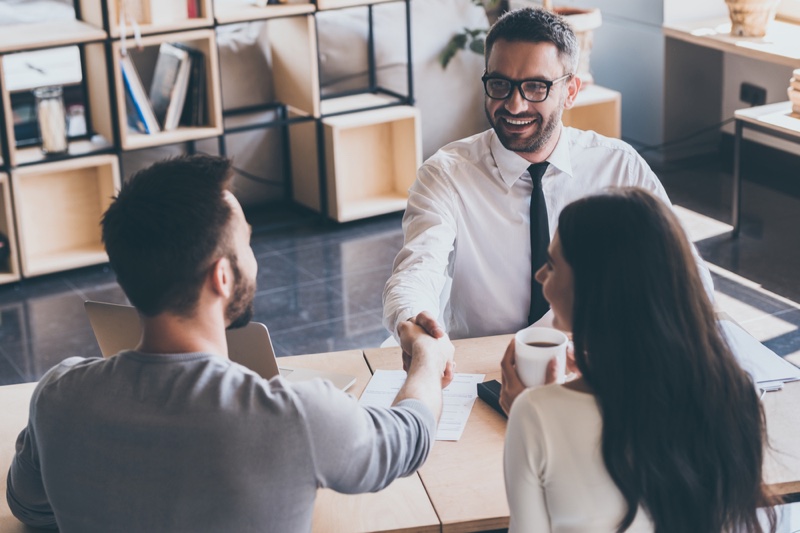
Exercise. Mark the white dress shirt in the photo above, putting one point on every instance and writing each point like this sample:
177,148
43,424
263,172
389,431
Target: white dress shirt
556,480
466,255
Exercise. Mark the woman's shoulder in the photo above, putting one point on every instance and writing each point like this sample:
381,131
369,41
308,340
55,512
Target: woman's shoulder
552,403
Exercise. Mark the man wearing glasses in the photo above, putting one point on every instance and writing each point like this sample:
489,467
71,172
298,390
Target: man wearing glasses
483,209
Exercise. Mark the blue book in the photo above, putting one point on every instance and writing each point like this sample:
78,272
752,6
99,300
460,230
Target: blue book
138,97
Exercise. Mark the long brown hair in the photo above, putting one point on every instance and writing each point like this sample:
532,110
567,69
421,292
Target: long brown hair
683,428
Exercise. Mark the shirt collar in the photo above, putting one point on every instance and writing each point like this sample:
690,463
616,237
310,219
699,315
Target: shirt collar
512,165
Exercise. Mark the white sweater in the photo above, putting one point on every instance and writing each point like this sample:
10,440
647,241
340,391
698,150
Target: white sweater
555,476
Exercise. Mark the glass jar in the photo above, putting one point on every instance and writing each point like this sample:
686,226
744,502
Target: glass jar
52,119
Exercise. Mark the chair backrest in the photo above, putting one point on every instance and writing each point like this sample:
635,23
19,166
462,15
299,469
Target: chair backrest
117,328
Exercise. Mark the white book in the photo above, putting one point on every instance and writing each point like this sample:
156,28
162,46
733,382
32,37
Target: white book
170,84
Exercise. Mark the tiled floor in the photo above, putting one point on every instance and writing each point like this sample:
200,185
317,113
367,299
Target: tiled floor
319,286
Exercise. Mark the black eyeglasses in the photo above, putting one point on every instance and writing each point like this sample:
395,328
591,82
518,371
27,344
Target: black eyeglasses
499,88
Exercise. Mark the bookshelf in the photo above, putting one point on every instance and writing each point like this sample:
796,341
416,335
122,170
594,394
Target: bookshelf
8,272
151,16
351,156
202,40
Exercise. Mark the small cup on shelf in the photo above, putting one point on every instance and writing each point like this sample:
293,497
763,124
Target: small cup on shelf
52,119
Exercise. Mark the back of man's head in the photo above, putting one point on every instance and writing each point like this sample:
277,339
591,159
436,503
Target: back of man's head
166,227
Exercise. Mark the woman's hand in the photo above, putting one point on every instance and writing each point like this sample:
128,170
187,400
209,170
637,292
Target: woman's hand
512,386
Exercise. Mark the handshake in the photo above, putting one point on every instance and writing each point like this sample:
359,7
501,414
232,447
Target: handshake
426,347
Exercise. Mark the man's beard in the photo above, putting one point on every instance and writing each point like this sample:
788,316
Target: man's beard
533,142
240,309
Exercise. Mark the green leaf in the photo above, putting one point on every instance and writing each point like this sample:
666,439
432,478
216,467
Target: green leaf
477,46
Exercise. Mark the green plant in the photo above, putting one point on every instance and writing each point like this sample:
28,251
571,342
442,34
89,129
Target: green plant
469,39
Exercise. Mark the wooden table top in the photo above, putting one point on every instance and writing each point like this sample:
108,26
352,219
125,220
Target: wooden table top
461,485
465,478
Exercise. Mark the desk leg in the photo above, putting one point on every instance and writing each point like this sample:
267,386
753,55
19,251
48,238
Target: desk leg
737,179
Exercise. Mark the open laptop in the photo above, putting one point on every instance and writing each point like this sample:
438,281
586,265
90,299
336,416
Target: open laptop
117,328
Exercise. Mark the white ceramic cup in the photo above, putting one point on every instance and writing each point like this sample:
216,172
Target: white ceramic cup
532,361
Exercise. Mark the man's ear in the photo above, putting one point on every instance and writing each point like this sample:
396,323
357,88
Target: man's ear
573,86
220,277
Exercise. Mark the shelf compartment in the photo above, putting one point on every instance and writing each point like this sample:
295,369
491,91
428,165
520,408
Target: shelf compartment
205,42
97,98
153,16
231,12
596,108
58,207
8,272
22,37
323,5
356,102
371,160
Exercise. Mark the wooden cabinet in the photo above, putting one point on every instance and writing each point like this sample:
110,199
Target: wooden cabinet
58,207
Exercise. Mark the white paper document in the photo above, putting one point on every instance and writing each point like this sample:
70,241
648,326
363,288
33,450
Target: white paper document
458,398
764,365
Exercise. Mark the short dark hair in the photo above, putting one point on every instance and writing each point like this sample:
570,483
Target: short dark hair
536,25
165,228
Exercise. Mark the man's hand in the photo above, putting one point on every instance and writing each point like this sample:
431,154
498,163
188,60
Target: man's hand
426,321
418,347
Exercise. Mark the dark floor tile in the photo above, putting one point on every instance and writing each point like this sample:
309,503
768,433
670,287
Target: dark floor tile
275,271
363,330
364,290
10,374
298,306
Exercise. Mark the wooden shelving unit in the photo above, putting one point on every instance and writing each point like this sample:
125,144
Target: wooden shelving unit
351,157
58,207
151,16
230,12
98,98
8,272
596,108
371,161
205,42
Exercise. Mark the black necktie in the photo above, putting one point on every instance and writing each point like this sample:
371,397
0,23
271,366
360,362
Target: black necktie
540,240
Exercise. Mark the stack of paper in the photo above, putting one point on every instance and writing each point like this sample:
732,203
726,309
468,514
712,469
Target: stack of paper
765,366
458,398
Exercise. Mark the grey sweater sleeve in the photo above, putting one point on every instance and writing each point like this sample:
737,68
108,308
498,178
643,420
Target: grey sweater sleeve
359,449
25,492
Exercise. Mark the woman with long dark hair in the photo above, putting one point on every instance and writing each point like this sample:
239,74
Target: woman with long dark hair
663,431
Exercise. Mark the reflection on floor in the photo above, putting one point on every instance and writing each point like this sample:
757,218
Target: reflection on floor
319,286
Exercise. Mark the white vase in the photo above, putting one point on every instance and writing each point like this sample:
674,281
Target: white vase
749,18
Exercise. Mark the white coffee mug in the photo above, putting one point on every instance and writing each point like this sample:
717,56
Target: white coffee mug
534,348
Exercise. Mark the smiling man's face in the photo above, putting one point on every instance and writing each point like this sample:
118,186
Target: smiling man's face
522,126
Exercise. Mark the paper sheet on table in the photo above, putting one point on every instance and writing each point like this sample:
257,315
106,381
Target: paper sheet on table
764,365
458,398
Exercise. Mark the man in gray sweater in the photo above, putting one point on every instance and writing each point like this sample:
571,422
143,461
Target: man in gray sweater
173,436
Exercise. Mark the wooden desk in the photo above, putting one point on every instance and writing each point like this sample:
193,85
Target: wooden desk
403,506
776,120
465,478
778,46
